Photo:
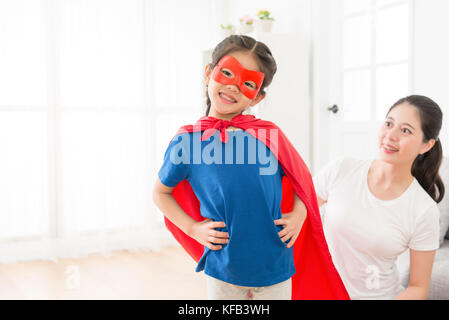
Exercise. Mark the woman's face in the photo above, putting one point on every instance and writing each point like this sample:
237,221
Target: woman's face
401,137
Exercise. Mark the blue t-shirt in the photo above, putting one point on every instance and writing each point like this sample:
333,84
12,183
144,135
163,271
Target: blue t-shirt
240,183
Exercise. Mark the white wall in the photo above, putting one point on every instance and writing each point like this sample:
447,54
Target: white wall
290,16
431,56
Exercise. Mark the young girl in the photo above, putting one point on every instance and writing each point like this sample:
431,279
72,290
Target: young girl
378,209
220,189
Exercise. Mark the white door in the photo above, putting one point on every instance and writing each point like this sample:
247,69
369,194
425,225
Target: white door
369,70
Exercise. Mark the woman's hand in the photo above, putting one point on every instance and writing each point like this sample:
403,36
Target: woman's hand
292,222
204,232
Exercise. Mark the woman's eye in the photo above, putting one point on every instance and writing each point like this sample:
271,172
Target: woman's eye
227,73
388,124
406,131
250,84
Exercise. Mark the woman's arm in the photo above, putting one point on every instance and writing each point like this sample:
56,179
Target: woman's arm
320,201
421,263
204,232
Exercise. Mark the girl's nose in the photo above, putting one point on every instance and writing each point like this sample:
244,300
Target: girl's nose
233,87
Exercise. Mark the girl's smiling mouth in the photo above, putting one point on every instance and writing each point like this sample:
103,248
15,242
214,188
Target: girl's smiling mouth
227,98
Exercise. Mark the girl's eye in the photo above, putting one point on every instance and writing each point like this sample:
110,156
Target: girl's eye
251,85
227,73
388,124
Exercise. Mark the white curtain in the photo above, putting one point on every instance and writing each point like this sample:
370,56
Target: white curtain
91,92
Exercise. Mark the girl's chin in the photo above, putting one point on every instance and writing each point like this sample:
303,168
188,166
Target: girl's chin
228,109
223,115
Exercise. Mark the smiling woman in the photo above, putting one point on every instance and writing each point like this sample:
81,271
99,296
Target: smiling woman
420,139
376,210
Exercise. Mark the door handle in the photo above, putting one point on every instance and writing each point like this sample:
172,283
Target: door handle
334,109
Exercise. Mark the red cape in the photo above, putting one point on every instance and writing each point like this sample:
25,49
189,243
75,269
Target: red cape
316,277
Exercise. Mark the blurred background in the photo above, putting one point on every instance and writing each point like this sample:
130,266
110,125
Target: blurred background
92,91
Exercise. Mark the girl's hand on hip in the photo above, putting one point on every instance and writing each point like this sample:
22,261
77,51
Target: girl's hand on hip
204,232
292,223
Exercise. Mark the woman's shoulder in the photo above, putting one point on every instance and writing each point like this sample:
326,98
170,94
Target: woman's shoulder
419,205
423,202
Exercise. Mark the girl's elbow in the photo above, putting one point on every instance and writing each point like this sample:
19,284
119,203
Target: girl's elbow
156,194
159,191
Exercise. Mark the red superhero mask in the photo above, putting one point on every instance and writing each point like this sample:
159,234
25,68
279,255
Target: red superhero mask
230,71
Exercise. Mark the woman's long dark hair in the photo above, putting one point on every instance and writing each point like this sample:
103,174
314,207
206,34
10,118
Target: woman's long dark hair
426,167
261,52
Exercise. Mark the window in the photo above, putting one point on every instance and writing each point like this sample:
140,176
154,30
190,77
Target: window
376,58
91,93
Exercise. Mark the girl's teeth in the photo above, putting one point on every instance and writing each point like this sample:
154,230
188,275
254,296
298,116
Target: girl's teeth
227,98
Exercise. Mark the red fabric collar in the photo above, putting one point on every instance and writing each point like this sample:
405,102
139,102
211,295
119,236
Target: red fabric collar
213,124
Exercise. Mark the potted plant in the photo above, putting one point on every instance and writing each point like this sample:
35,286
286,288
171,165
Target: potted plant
227,30
265,22
246,24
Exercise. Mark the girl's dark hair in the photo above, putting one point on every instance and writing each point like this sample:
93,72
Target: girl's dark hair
261,52
426,166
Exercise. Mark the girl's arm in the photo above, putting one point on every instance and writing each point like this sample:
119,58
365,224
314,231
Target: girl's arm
204,232
292,222
421,263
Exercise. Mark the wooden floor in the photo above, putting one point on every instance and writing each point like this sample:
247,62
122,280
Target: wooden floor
169,274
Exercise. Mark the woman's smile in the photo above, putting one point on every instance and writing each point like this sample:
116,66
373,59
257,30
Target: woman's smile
388,149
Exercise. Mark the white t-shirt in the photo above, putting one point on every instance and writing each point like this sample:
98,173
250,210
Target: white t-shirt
365,235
